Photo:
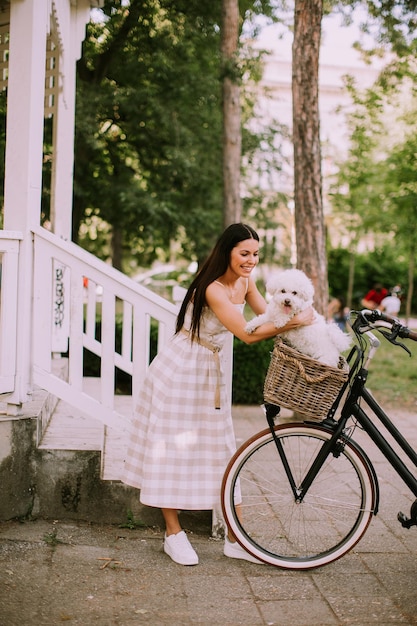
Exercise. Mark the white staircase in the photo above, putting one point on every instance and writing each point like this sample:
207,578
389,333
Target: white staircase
70,429
80,305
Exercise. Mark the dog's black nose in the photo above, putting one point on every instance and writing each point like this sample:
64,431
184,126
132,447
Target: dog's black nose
287,302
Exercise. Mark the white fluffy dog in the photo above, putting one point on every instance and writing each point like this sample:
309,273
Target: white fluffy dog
291,292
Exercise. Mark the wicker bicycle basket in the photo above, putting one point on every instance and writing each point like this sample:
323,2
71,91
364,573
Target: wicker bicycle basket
300,383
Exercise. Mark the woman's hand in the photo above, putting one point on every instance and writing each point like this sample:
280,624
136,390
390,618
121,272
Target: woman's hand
304,318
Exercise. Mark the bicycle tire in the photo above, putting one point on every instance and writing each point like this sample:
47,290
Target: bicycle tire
271,525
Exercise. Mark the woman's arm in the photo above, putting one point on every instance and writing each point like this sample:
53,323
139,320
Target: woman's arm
255,299
368,304
235,322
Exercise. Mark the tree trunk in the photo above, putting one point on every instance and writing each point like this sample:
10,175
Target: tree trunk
410,286
309,221
232,139
117,248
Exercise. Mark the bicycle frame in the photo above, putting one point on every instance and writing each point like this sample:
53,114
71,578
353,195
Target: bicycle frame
312,502
352,408
389,453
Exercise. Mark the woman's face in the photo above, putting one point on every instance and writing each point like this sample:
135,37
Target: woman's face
244,257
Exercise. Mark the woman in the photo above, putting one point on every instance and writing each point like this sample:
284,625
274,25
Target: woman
338,312
182,433
391,304
374,297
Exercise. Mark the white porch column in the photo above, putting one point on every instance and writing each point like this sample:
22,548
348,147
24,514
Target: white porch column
29,20
73,18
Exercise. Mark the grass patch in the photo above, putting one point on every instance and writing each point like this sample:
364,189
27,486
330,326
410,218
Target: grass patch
51,538
393,375
132,522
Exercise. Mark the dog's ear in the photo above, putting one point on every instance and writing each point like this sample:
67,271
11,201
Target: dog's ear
310,290
305,284
271,285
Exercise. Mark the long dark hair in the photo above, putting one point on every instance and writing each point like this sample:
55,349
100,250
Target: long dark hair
215,266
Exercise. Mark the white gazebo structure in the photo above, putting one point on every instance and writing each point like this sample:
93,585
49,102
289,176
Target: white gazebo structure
48,317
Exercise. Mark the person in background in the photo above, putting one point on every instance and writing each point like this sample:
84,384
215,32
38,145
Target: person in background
182,431
391,304
338,312
374,297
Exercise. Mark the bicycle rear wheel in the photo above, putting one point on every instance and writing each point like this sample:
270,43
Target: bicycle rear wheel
262,511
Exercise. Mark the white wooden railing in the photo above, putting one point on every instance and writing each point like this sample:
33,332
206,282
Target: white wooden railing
77,303
77,299
9,265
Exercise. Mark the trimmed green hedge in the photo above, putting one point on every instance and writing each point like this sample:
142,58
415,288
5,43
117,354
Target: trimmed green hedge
250,364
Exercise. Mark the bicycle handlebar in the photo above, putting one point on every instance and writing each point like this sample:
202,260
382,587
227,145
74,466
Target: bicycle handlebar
409,334
368,320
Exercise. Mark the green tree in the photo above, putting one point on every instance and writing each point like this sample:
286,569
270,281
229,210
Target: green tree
375,184
394,22
309,221
400,201
149,128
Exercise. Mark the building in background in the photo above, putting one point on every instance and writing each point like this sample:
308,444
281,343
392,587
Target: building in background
338,58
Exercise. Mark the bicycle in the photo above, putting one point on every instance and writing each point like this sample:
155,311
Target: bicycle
301,495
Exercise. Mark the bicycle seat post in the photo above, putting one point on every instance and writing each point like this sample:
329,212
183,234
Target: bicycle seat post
271,411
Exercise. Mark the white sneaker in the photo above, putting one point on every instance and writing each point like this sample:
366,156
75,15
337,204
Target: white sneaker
235,551
180,549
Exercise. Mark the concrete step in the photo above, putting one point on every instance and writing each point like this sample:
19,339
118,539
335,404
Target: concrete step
70,429
41,406
113,454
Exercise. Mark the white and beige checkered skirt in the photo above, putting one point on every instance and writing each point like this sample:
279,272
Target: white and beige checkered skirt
180,443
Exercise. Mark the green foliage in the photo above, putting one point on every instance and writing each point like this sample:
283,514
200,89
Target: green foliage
132,523
393,376
356,191
338,271
401,187
149,125
250,364
148,148
52,539
397,24
383,265
376,191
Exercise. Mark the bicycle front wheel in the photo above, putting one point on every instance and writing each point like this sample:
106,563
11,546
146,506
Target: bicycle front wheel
262,511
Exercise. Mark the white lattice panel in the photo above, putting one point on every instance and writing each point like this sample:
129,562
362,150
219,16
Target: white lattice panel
51,76
51,69
4,55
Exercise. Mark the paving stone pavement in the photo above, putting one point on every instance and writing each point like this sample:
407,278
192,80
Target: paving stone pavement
59,571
